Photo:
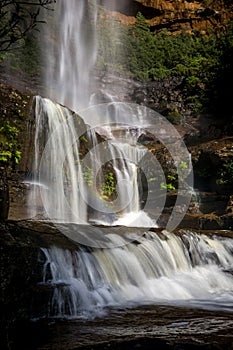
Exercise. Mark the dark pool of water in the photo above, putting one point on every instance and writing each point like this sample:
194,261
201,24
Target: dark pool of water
145,327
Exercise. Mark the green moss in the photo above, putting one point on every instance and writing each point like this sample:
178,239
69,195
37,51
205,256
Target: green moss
174,117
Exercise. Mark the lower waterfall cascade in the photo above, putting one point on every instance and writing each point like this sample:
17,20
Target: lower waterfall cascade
103,183
59,172
184,270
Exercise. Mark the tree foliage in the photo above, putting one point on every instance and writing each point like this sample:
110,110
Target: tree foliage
18,18
203,62
9,148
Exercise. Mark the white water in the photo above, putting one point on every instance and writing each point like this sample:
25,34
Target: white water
57,164
70,59
61,190
190,270
135,219
71,54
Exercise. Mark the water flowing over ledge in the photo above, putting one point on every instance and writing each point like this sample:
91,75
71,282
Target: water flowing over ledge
152,269
82,176
149,282
139,267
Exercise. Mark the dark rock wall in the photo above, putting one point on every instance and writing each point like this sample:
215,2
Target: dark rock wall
18,278
22,297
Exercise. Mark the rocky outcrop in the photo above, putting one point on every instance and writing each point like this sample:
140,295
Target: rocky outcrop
4,196
178,15
22,297
14,137
168,97
212,162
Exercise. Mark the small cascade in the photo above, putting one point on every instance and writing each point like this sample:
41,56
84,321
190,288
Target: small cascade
190,269
120,124
195,201
125,160
128,187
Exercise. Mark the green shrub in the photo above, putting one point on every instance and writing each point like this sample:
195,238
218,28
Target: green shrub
204,62
88,176
9,147
225,174
109,185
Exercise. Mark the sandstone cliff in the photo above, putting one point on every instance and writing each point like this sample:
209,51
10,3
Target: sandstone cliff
179,15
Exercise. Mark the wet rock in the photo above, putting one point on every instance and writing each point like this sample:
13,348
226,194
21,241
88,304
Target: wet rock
229,208
162,96
211,202
211,160
207,222
4,196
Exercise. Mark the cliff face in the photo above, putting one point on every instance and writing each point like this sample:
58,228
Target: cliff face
179,15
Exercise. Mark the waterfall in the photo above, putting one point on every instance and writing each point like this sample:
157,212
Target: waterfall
62,193
74,189
70,59
187,270
67,190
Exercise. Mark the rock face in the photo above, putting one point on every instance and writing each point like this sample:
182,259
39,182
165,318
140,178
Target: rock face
4,198
212,164
15,135
178,15
165,97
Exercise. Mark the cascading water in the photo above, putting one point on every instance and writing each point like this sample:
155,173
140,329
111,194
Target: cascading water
190,269
70,61
153,268
58,169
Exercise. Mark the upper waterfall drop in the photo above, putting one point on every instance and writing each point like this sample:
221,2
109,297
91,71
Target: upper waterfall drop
71,56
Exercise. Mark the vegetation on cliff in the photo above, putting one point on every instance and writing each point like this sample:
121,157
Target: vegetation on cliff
14,107
202,62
